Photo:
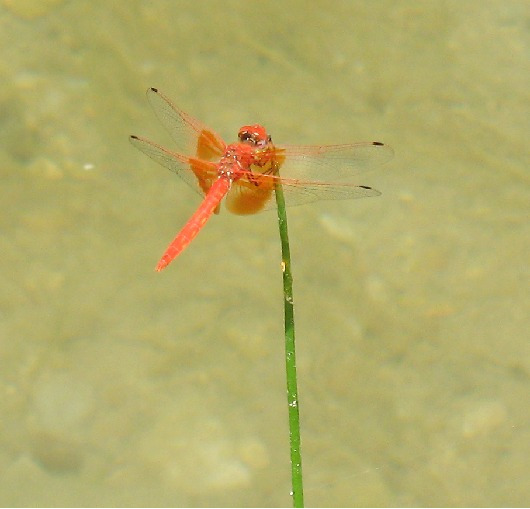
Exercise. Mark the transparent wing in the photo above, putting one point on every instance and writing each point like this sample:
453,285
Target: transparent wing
307,174
191,136
297,192
196,173
250,195
331,162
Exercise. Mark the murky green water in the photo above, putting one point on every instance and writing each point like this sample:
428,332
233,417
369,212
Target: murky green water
121,386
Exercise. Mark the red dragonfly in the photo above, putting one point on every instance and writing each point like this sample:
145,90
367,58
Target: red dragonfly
246,172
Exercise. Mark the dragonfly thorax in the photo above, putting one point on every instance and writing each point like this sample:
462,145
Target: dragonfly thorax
236,161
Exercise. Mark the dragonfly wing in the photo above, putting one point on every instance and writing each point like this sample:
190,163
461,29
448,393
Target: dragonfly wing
191,136
298,193
305,172
251,195
196,173
331,162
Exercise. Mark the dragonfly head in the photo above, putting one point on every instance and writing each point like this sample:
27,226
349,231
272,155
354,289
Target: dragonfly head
254,135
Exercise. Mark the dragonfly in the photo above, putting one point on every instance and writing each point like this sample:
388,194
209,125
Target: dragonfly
246,173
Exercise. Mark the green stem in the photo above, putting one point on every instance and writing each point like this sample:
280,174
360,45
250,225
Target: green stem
290,357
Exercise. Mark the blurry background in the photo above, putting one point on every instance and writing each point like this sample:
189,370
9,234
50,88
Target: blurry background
121,386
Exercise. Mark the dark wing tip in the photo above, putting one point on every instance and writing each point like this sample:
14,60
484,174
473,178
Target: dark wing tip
373,192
